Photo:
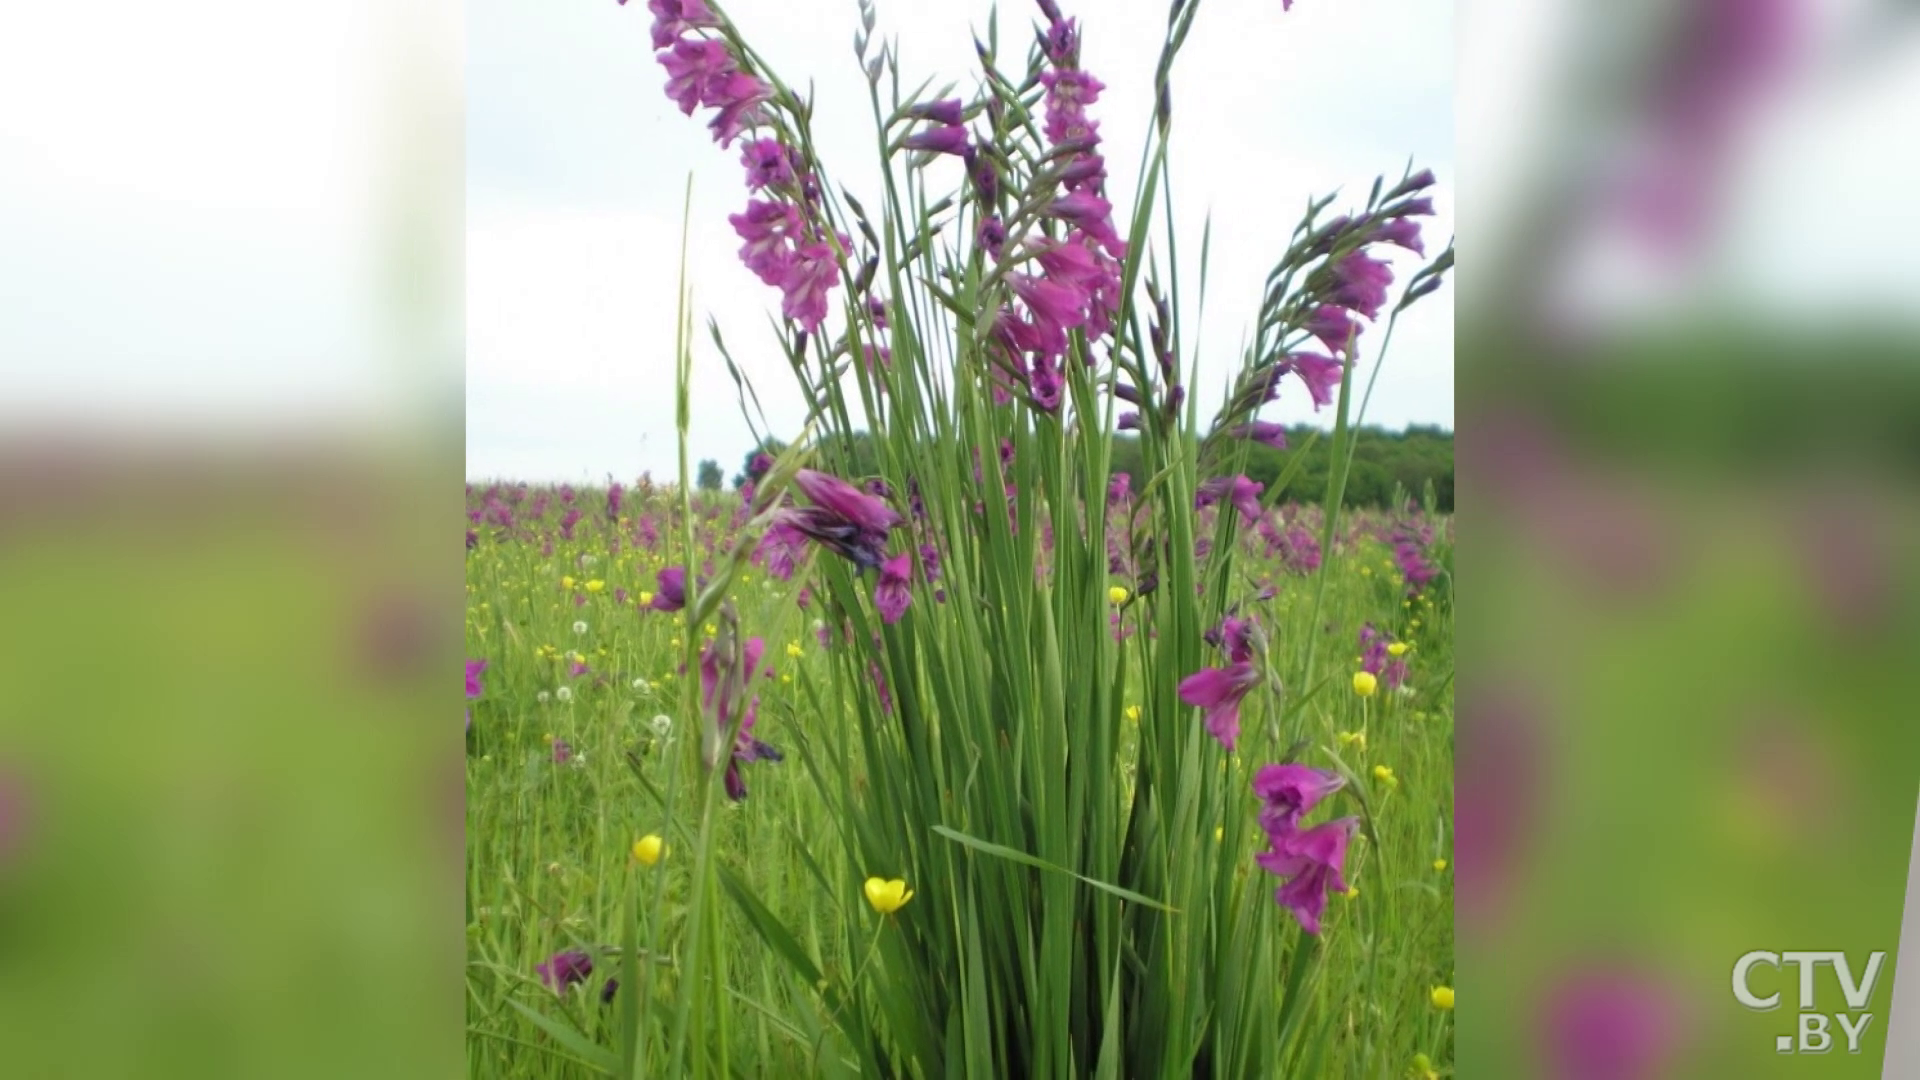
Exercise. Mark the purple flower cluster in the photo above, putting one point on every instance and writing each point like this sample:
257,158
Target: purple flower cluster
722,680
1375,660
1352,283
1220,690
1078,286
1311,860
782,244
475,668
1410,543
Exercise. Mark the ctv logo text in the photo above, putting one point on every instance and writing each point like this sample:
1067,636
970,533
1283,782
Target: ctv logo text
1814,1035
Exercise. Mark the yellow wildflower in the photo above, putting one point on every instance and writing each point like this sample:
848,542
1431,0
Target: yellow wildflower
887,897
794,651
1133,713
596,585
1354,738
1398,648
646,598
1442,998
1117,594
566,582
1385,776
649,849
1364,683
1440,866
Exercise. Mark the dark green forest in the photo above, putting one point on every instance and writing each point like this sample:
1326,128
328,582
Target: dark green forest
1410,459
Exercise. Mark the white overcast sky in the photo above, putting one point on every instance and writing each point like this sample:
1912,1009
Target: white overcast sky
577,165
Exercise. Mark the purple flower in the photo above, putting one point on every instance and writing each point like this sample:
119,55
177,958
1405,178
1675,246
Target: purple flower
746,750
1403,232
1363,282
992,236
1314,861
671,18
1290,792
1220,691
1611,1023
1320,373
1334,326
564,970
810,276
780,550
475,668
1235,637
891,594
695,69
947,139
1085,209
738,96
606,992
1239,490
1260,431
767,164
947,111
770,230
672,594
842,519
562,753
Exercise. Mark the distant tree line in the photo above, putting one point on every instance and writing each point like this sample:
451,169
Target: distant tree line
1410,459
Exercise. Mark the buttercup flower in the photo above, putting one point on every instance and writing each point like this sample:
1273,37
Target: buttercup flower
648,849
1117,594
1364,683
1442,998
887,897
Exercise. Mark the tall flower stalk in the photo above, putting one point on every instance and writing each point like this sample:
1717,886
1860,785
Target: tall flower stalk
992,601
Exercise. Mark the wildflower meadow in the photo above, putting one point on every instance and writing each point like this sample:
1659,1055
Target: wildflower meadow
943,745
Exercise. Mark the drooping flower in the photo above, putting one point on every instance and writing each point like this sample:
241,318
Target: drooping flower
891,595
672,18
945,111
738,97
672,594
767,163
1335,326
945,139
1244,493
1220,691
746,750
1289,792
564,970
1314,861
1260,431
1321,374
770,230
842,519
695,70
1363,282
810,276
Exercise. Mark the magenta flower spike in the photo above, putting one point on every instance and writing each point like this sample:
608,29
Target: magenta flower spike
1220,691
891,594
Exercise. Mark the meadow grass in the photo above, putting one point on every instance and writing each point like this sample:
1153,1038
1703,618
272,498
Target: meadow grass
549,845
